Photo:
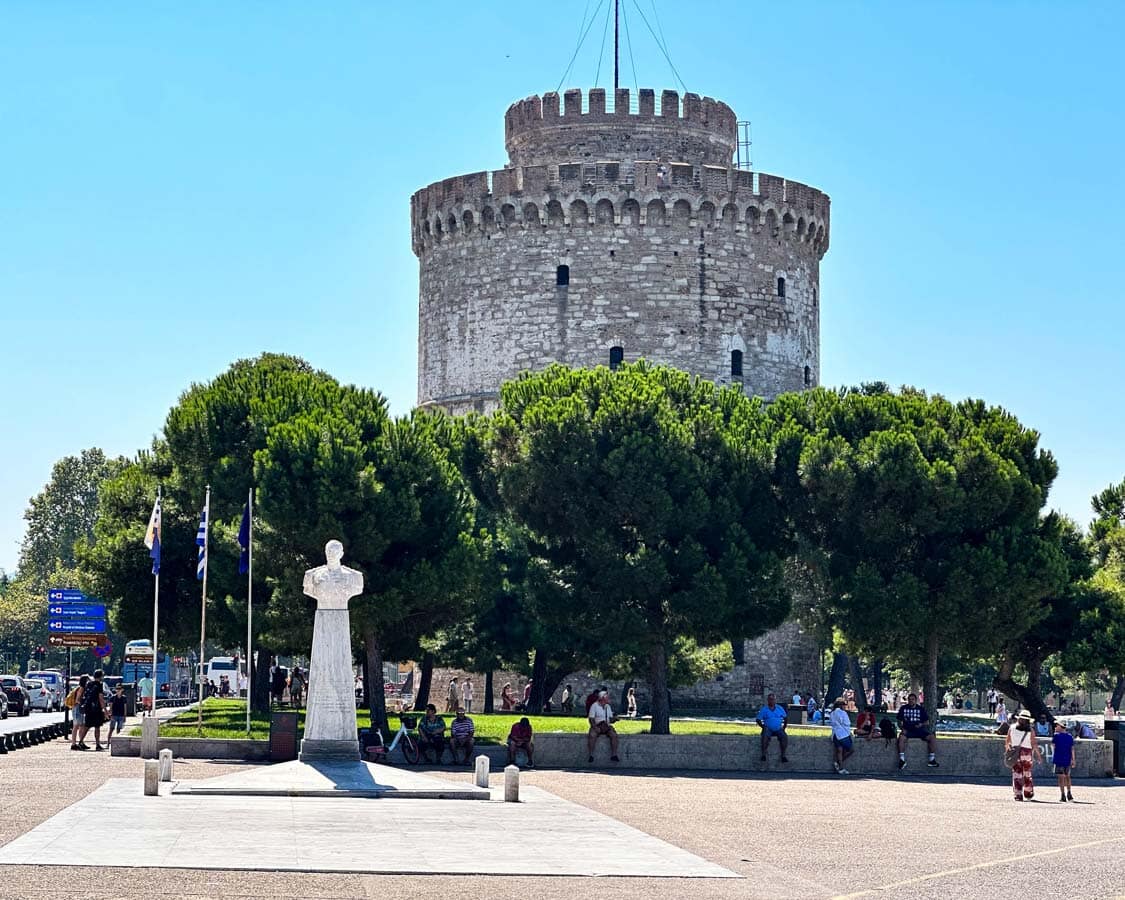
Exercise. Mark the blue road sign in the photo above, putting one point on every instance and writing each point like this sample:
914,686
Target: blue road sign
77,626
77,610
65,595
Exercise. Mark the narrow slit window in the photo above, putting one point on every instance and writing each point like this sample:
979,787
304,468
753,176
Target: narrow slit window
736,363
808,377
781,288
616,357
562,276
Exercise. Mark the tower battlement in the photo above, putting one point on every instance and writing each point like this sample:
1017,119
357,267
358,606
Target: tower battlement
700,129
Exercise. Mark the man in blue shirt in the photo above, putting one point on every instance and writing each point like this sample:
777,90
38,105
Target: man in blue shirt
912,719
772,719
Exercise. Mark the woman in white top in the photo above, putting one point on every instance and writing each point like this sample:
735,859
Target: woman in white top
1001,713
1021,736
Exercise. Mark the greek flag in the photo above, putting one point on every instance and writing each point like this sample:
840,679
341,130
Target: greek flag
152,536
201,542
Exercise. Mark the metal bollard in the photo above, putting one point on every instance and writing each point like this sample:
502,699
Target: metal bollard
481,776
32,736
165,765
512,784
152,778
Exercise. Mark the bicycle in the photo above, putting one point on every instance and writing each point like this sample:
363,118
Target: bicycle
410,750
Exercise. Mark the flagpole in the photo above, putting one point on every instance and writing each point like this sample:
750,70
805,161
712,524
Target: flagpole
203,605
155,617
249,607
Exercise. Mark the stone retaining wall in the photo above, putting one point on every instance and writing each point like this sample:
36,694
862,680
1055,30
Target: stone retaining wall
196,748
958,757
974,757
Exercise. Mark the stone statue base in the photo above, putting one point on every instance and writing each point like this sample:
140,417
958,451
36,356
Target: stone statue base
328,751
330,729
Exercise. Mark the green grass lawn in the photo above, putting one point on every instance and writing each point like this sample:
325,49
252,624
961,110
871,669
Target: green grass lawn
227,719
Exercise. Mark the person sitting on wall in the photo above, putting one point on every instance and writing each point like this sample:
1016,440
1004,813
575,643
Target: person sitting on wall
521,738
431,735
601,722
865,724
461,733
912,719
772,719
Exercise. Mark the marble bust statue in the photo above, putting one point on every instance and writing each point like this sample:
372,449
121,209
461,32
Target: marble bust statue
333,585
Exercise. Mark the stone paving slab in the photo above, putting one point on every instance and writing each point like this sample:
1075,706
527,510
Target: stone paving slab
344,779
357,835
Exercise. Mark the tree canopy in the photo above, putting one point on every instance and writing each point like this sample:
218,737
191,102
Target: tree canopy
652,496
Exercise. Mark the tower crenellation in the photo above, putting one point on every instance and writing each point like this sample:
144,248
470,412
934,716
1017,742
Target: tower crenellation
617,233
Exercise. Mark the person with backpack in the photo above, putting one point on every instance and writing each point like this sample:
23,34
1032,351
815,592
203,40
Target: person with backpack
74,701
117,713
93,711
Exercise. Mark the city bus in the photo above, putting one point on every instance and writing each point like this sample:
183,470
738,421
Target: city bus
171,674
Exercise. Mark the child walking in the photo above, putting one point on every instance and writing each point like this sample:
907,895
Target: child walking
1064,759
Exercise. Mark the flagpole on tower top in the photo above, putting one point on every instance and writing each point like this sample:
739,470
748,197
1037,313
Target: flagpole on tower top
616,45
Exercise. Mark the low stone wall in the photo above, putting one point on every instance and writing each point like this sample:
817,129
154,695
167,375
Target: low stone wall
196,748
963,757
958,757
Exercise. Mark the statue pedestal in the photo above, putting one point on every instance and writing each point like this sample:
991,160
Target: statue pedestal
330,731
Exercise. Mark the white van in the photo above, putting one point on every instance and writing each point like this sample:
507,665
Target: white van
54,681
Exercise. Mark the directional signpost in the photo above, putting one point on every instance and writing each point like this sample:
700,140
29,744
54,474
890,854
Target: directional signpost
75,620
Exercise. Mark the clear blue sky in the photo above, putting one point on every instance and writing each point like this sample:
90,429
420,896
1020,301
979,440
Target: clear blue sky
189,184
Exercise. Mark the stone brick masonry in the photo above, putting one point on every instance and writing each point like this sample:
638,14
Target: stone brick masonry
624,234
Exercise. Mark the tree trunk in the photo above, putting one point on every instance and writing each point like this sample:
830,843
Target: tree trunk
489,693
376,696
877,681
658,680
1030,697
538,682
835,680
929,679
1118,693
422,696
261,685
857,684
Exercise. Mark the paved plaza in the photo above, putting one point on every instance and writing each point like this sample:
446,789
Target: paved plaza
922,837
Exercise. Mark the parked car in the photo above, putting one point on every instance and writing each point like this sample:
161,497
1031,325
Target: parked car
19,700
53,680
42,697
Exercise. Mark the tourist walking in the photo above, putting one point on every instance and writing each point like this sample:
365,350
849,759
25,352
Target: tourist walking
631,703
1001,713
993,697
467,695
568,700
453,696
1063,756
78,729
94,711
841,735
1021,738
116,713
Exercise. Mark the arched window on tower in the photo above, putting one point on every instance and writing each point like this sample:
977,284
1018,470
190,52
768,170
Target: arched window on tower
781,288
562,276
616,357
736,363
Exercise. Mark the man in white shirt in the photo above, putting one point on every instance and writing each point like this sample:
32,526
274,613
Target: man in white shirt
841,735
601,722
797,699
